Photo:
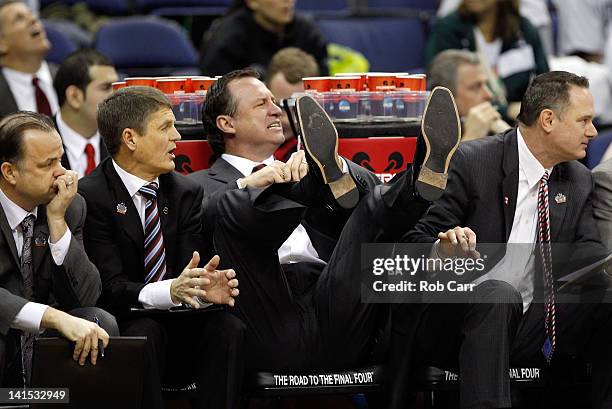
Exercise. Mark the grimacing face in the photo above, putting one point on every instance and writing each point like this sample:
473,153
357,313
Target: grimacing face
282,89
573,127
39,167
257,121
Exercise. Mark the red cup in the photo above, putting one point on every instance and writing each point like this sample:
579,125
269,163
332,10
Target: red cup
364,79
415,82
142,81
320,84
202,84
346,83
381,81
171,85
117,85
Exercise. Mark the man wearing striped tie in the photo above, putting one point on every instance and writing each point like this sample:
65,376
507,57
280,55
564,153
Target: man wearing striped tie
524,189
142,229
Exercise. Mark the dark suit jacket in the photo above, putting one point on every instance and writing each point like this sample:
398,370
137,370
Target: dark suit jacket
65,161
484,173
74,284
115,241
322,223
8,105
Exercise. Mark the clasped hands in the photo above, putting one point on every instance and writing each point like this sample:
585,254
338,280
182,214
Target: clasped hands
206,284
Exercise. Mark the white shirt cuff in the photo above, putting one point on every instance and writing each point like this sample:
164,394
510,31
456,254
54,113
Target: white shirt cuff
28,319
60,249
345,167
157,295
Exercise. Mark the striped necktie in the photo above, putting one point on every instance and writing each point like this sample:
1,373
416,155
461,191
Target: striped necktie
154,249
27,274
546,254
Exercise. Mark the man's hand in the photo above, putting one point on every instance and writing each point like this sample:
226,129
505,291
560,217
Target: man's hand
458,242
207,284
479,121
66,188
298,166
85,333
276,172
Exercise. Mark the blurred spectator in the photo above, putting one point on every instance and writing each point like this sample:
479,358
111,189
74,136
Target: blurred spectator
26,81
83,80
252,31
462,72
507,42
536,11
285,73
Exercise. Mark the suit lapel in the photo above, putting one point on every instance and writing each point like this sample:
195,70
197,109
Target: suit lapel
8,236
129,219
558,185
510,182
222,171
164,207
40,238
7,102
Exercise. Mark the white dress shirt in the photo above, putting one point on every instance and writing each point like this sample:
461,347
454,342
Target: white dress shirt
30,316
298,246
75,146
157,294
20,84
517,267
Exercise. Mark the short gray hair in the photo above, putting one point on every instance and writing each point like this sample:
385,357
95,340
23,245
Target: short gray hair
443,68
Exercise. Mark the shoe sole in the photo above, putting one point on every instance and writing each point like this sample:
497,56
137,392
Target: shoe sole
441,131
320,140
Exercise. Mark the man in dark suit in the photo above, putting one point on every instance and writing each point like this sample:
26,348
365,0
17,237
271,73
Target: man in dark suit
43,266
82,82
143,225
239,157
26,80
257,217
524,188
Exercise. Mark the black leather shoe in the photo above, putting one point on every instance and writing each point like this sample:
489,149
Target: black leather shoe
320,140
441,131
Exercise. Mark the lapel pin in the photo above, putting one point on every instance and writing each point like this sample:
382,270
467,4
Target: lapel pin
560,198
121,208
40,241
165,210
506,200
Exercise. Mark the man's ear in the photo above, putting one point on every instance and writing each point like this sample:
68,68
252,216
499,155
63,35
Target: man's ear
7,170
226,124
547,120
74,97
129,137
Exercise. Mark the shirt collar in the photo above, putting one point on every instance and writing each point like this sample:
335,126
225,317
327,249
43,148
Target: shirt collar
14,213
43,75
131,182
528,164
244,165
74,141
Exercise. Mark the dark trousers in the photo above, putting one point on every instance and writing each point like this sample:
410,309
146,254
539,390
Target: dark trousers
10,344
205,347
484,337
330,327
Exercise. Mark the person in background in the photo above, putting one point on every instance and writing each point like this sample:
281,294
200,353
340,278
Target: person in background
508,44
285,73
462,72
26,80
82,82
252,31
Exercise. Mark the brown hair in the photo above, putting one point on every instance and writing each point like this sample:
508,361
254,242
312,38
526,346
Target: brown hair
128,107
12,129
508,19
294,63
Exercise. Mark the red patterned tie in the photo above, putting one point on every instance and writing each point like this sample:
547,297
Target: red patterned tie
42,103
545,252
154,249
258,167
91,158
